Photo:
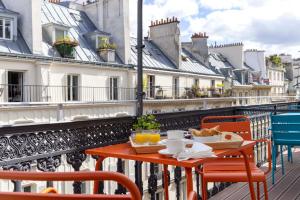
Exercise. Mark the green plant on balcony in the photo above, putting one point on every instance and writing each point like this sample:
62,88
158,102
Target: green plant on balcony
146,122
107,46
276,60
66,47
196,91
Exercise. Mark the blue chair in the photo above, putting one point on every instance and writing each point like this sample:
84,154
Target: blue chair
285,131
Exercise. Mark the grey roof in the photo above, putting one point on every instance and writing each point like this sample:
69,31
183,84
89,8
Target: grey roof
193,65
18,46
5,10
54,13
236,83
154,58
218,61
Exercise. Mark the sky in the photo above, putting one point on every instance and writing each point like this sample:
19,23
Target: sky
270,25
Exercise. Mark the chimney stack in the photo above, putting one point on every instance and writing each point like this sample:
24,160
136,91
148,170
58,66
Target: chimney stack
113,17
54,1
199,46
165,33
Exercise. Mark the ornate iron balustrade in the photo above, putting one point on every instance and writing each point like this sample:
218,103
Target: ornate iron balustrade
45,144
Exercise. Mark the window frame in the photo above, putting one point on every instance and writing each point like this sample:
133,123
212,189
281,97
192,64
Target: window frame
114,90
71,87
66,33
4,19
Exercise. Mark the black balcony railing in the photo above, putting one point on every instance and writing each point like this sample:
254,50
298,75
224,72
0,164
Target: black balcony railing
43,145
52,93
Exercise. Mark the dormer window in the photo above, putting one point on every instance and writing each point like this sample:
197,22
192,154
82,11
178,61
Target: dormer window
6,29
60,34
101,41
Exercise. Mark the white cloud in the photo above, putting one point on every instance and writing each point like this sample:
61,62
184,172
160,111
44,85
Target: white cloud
271,25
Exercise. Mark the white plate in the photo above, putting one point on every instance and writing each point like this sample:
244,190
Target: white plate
165,152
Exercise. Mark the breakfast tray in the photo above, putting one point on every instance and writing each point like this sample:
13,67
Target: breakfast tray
146,148
235,142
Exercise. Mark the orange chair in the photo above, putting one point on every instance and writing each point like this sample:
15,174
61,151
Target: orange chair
233,169
192,196
50,193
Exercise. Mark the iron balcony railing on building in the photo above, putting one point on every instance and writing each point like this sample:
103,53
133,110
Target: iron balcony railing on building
45,147
41,93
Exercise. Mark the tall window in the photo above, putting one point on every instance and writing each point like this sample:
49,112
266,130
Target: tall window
113,88
15,86
175,87
151,86
73,87
196,81
6,29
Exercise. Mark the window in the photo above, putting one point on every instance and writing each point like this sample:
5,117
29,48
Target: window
60,34
151,86
213,84
113,88
73,88
101,41
176,87
6,29
196,82
15,86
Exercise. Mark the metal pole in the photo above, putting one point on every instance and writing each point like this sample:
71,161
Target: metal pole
140,46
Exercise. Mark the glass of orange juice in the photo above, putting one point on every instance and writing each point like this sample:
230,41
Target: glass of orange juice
154,137
138,137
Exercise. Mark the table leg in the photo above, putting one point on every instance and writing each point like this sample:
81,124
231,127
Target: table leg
249,175
166,182
189,180
97,168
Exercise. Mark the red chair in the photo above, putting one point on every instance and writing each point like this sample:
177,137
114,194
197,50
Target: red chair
51,193
233,169
192,196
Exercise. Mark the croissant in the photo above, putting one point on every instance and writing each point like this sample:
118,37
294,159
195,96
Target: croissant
206,132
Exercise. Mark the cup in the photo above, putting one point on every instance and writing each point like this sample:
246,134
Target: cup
175,134
175,146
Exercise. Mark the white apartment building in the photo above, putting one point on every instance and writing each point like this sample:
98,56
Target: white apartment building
33,68
276,78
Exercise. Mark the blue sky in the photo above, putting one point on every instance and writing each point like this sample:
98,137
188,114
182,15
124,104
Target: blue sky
270,25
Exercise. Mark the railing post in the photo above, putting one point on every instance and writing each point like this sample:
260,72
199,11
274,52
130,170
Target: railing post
49,165
76,159
138,175
177,178
120,169
17,186
152,181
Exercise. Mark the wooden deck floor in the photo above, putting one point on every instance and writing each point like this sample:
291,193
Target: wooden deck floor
286,187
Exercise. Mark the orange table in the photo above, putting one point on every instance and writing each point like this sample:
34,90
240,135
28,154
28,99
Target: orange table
125,151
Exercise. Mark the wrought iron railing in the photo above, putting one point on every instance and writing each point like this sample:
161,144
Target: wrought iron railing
92,94
43,145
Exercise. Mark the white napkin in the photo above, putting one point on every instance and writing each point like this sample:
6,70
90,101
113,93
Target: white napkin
198,150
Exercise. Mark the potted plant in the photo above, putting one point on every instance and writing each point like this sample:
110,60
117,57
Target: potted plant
146,122
66,47
196,91
107,51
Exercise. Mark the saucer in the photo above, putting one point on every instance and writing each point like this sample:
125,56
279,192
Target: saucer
165,152
187,141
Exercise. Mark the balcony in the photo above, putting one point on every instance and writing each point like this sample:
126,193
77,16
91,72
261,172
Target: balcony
60,147
86,94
